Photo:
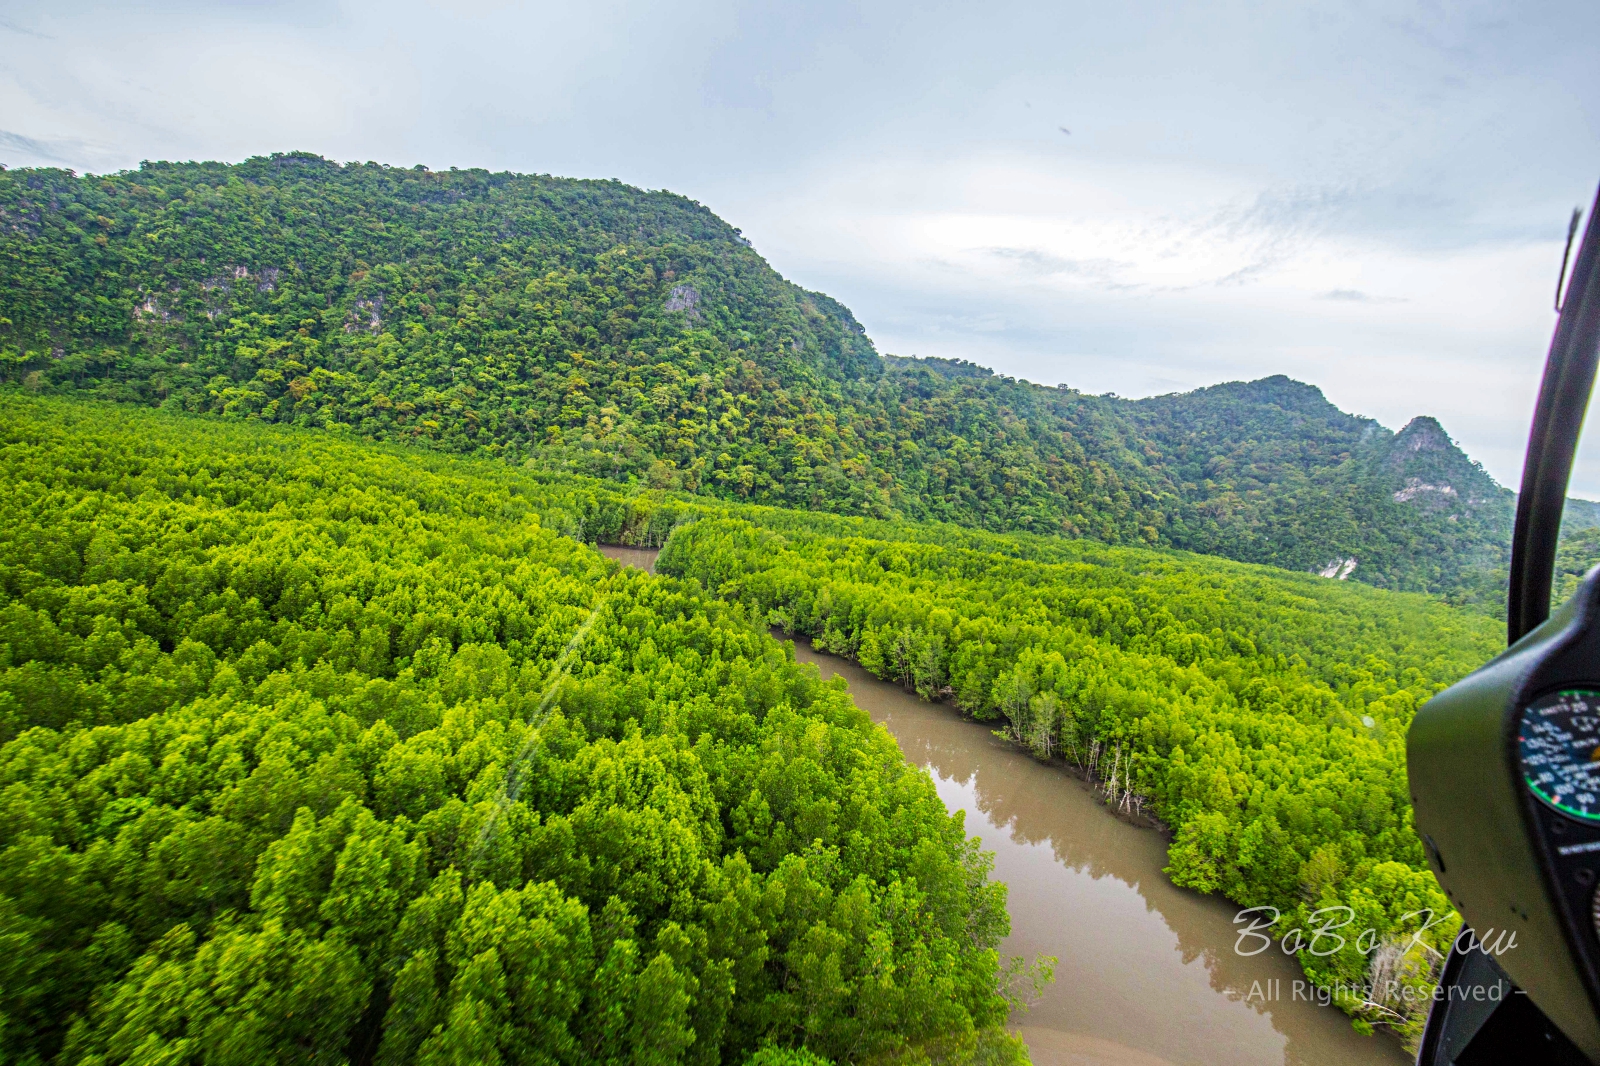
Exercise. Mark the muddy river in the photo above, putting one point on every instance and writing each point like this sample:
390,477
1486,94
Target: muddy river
1147,972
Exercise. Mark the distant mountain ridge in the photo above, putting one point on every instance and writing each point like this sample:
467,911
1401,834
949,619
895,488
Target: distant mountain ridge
635,335
1331,492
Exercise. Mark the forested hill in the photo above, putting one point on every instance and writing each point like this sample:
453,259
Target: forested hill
635,335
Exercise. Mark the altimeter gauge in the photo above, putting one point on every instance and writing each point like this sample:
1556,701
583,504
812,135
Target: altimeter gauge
1558,744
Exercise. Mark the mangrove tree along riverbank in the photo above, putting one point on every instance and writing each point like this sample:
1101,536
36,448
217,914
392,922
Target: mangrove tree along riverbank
1263,718
312,752
1147,971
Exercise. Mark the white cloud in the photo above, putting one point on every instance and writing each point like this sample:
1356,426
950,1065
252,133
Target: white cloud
1110,282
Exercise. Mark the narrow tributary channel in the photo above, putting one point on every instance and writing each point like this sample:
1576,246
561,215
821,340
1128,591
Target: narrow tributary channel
1148,973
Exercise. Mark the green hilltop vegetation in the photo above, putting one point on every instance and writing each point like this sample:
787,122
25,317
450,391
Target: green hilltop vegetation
296,766
319,752
633,335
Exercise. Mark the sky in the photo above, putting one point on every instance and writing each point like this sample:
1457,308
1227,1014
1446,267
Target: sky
1130,197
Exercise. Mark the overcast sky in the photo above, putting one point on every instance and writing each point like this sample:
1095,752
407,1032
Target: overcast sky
1371,197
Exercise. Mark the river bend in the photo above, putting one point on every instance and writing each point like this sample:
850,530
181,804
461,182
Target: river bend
1148,975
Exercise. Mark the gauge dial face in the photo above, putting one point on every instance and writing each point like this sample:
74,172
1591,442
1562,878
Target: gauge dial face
1558,742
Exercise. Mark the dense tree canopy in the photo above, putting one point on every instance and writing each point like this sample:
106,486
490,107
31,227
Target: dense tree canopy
635,335
317,752
1261,715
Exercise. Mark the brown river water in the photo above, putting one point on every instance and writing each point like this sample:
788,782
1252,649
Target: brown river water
1147,972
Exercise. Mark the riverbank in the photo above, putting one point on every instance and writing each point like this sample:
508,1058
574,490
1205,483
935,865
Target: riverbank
1147,971
1097,785
1148,974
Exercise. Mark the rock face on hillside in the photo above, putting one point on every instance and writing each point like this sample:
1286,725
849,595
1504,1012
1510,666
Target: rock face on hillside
1437,475
1339,569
